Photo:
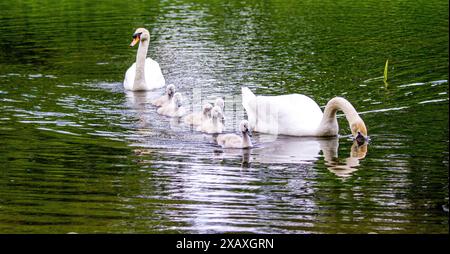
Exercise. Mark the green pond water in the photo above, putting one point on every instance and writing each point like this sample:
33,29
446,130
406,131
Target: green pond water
80,154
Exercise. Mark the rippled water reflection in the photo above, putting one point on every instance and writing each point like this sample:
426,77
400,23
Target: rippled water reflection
79,154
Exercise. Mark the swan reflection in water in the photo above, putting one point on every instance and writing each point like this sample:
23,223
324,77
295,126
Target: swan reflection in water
301,150
139,104
358,152
217,196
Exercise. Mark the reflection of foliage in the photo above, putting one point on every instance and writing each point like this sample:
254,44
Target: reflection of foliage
58,37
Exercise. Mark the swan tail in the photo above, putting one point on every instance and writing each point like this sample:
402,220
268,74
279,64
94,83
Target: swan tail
249,104
248,98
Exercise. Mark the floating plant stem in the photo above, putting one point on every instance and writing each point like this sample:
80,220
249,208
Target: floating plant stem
385,73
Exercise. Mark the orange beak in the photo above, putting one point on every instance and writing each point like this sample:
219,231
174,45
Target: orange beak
135,40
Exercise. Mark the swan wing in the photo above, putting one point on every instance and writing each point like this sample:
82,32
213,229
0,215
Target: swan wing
129,77
229,141
293,114
161,101
296,114
153,74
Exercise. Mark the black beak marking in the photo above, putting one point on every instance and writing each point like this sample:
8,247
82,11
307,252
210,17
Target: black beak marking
360,138
137,35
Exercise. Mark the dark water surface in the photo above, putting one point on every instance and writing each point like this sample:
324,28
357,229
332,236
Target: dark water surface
78,154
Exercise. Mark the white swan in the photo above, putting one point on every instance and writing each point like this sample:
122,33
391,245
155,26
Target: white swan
213,124
166,98
174,108
235,141
299,115
198,117
144,74
220,103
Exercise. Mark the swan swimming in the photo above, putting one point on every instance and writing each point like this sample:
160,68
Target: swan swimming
174,108
235,141
220,103
199,117
145,73
299,115
166,98
213,124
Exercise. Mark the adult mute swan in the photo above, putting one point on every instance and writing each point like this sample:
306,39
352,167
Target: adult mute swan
166,98
235,141
145,73
299,115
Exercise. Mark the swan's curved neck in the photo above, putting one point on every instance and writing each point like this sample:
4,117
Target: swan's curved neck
329,125
246,141
139,80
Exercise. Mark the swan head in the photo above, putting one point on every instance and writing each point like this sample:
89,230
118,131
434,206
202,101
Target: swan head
216,113
359,131
170,90
141,34
219,102
206,109
178,100
243,127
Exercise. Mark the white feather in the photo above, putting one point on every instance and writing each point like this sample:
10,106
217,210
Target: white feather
293,114
153,76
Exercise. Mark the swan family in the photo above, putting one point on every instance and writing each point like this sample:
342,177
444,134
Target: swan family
292,114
